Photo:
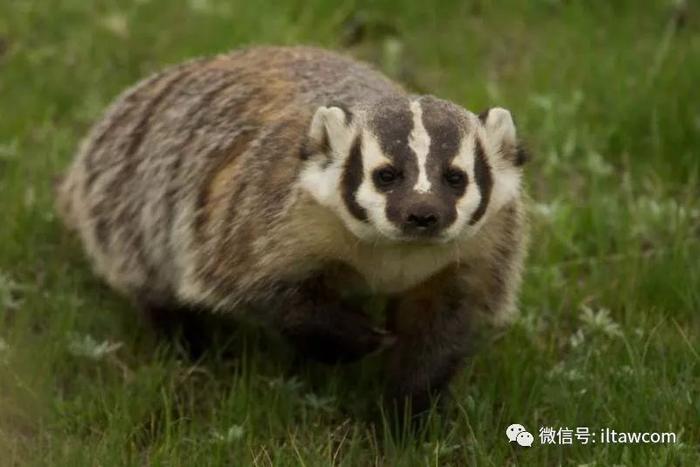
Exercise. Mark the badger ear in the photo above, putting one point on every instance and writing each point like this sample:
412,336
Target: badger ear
330,132
500,130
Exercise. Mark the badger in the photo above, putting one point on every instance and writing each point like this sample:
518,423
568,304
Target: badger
272,183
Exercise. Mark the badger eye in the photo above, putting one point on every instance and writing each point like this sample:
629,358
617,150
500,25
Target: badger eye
455,178
386,176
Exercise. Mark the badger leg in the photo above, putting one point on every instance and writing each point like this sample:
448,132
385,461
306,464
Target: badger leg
432,327
324,328
195,329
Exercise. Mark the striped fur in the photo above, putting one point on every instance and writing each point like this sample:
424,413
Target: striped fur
228,181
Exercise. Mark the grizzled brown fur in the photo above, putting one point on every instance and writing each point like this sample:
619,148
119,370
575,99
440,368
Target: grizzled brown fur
186,193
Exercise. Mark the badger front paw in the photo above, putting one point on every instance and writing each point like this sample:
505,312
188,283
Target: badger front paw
337,336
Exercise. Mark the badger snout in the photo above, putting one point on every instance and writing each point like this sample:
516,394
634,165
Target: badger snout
422,219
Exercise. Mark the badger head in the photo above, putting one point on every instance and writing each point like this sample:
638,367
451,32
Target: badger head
412,169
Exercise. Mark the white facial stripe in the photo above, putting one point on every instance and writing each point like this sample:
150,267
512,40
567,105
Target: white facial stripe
505,177
419,142
372,154
469,202
367,195
465,157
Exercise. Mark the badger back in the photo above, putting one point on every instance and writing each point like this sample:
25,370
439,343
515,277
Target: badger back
193,161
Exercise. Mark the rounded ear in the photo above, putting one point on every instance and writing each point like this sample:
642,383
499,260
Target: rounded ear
330,132
499,125
500,130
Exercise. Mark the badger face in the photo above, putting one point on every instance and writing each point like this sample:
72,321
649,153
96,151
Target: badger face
413,170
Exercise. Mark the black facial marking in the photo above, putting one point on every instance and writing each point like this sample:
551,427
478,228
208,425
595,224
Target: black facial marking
325,146
352,178
483,116
457,180
392,124
482,173
522,155
416,213
311,147
446,126
386,177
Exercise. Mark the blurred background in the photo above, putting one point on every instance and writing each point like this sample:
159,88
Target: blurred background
605,93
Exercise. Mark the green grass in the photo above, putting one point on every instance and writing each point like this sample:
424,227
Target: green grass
608,97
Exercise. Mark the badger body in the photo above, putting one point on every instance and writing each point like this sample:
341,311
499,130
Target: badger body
272,180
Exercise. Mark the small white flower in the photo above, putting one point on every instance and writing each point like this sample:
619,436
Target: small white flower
292,384
651,213
319,402
116,23
547,211
597,165
88,347
542,101
577,339
470,403
201,6
532,323
234,433
8,292
599,321
560,371
8,150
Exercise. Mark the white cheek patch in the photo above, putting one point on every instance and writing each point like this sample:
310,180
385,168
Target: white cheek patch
322,182
367,196
322,174
419,142
505,183
324,185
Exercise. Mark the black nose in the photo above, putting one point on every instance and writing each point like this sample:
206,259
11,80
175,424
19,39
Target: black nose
422,219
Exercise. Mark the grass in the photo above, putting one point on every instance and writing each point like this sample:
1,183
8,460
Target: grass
609,336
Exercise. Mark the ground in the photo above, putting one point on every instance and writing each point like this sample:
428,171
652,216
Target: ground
607,98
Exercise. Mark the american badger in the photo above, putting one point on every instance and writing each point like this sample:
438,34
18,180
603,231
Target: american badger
269,182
